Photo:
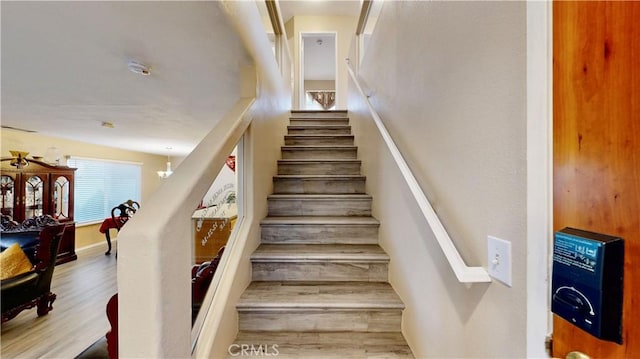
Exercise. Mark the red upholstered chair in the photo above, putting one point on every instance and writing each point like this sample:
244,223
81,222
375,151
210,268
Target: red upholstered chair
120,214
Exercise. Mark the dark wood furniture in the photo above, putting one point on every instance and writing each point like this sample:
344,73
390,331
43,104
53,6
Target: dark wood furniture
38,189
33,288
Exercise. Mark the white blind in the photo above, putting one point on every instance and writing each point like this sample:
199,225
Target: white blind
101,185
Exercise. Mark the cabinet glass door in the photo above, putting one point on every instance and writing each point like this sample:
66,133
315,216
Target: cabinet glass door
34,194
61,198
7,193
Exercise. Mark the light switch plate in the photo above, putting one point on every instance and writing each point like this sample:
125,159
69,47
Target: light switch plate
499,259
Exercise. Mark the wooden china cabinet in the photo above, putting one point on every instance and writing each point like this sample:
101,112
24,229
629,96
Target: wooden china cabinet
36,189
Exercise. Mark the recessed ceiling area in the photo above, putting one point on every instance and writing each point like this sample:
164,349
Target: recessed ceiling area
65,71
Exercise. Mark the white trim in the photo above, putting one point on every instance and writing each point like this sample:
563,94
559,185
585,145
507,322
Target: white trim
539,174
101,243
464,273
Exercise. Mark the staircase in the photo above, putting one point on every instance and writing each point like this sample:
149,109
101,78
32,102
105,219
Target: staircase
320,284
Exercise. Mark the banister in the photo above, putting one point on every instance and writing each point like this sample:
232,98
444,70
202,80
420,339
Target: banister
464,273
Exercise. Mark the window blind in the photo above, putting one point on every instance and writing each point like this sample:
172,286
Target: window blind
101,185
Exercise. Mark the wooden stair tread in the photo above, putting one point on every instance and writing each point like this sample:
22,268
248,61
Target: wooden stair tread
307,136
313,160
319,111
302,127
296,296
302,220
327,344
334,117
319,252
321,177
356,339
319,196
319,147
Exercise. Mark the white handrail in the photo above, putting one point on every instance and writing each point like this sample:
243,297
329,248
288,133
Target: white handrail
464,273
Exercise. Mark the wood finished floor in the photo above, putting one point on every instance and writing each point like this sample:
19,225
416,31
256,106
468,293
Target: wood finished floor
78,317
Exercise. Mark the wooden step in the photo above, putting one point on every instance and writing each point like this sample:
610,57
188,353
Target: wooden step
304,121
319,130
358,205
320,262
306,140
318,184
320,230
319,152
318,114
320,306
311,167
323,344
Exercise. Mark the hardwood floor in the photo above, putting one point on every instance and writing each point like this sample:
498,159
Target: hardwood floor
78,317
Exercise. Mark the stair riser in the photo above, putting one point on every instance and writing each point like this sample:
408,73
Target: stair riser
319,131
320,234
319,168
319,207
319,140
323,271
322,321
342,154
319,121
293,186
312,114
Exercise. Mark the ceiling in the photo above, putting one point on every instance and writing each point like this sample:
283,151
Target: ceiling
319,56
64,69
292,8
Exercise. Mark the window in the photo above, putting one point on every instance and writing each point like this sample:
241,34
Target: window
101,185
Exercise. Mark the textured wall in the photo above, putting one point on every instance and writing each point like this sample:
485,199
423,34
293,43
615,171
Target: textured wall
449,81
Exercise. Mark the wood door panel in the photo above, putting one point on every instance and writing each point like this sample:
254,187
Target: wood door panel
596,110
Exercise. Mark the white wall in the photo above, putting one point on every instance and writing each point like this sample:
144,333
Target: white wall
319,85
449,81
345,27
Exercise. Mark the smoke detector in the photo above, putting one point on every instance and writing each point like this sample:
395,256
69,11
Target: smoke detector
139,68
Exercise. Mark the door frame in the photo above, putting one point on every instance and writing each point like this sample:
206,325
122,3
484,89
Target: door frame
539,175
301,93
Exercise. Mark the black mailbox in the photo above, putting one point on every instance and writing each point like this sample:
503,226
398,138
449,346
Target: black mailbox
586,285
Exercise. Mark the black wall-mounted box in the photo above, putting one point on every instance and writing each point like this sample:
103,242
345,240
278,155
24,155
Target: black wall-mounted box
587,281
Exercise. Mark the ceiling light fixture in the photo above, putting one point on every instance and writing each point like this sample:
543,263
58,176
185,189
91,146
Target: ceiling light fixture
139,68
168,171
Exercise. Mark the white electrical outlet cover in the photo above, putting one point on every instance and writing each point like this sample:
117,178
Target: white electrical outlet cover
499,259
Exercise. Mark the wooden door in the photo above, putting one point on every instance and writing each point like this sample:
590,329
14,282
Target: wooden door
596,109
